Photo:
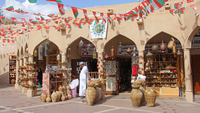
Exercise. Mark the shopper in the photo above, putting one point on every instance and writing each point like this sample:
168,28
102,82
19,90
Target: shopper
73,85
83,80
39,77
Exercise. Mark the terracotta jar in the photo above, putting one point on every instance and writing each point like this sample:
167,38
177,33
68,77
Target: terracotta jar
63,97
162,47
90,94
136,96
98,95
150,96
155,48
48,99
66,97
112,52
54,96
43,97
60,88
106,57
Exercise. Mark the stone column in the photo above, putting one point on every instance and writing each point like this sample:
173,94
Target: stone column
63,65
20,64
100,59
188,76
30,91
141,61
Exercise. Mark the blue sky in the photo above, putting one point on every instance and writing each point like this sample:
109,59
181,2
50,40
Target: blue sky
46,7
81,3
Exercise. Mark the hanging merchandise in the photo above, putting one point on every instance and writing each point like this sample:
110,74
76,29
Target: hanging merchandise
106,57
89,47
41,52
35,53
58,57
179,53
174,50
162,47
149,54
94,54
120,48
155,48
112,52
47,49
81,43
129,51
171,43
134,70
68,52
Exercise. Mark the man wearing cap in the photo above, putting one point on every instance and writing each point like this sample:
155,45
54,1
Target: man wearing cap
83,79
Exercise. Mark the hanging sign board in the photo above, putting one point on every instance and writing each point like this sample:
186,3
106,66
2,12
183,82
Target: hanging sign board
84,50
98,29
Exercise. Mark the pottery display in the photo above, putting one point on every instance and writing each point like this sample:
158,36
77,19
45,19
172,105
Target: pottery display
69,96
150,96
171,43
112,52
43,97
98,95
63,97
162,47
136,95
97,82
66,97
54,96
48,99
67,87
129,51
149,54
155,48
90,94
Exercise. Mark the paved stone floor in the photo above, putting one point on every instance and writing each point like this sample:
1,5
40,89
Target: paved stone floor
13,101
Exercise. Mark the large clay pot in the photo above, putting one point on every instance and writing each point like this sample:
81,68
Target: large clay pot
43,97
67,87
48,99
69,96
63,97
58,95
162,47
54,96
150,96
136,96
98,95
12,81
142,89
97,82
90,94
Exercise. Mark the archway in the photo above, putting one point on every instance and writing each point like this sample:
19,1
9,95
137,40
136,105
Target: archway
123,61
51,59
163,67
84,53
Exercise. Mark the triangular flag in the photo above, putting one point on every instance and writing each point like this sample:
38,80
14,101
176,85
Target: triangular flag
38,14
94,13
51,15
58,1
104,18
85,14
75,11
18,11
188,1
11,8
178,5
173,11
61,8
193,7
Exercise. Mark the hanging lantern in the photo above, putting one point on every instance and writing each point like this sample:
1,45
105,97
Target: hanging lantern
41,52
68,52
47,48
155,48
179,53
106,57
149,54
129,51
162,47
89,47
58,57
81,43
94,54
120,48
112,52
35,53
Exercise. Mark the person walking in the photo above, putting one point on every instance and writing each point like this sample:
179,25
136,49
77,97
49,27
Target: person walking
39,77
83,79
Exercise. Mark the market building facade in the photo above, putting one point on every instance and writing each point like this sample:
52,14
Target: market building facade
141,35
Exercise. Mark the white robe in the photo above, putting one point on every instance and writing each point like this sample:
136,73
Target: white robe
83,79
74,83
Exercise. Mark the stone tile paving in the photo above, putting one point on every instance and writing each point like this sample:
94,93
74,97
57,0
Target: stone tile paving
14,101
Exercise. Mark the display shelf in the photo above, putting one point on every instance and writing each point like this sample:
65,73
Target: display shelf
12,69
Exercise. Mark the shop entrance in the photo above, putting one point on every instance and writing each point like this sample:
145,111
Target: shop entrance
125,75
196,73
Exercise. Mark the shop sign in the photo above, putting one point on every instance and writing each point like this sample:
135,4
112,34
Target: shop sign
98,29
84,50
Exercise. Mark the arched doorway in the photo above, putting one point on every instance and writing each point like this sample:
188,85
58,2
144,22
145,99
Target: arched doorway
82,54
51,59
164,68
119,76
195,59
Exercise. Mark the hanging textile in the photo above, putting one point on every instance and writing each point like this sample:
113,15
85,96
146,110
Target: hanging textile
47,48
40,56
134,70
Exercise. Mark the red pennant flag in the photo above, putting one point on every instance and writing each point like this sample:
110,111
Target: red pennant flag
61,8
188,1
85,14
104,18
75,11
94,13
